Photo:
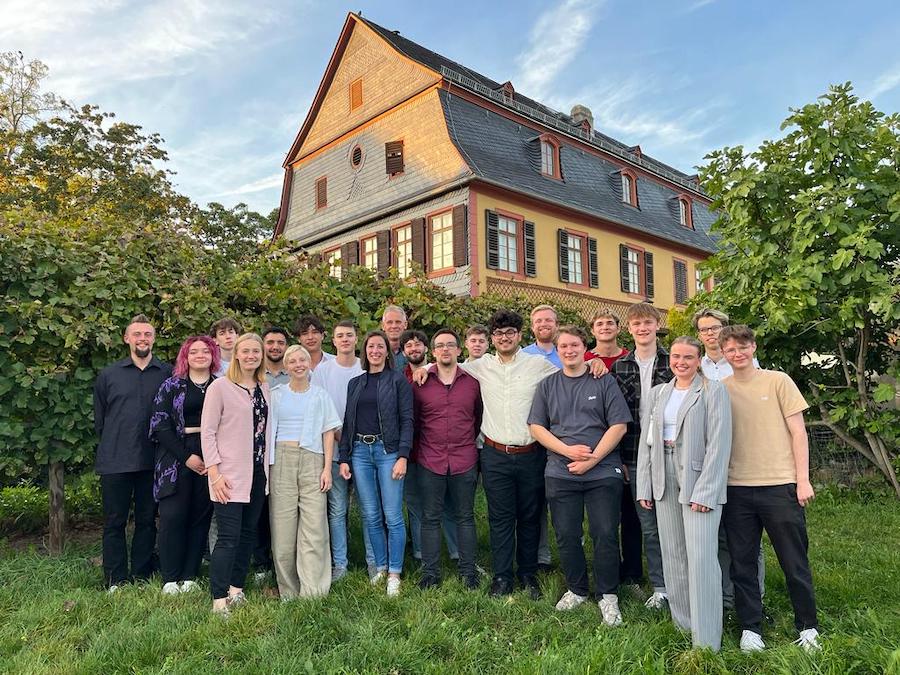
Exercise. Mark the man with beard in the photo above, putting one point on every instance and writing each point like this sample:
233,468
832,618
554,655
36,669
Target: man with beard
275,341
310,332
393,323
123,402
414,345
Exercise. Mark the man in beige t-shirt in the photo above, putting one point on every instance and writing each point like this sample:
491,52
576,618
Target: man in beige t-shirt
768,487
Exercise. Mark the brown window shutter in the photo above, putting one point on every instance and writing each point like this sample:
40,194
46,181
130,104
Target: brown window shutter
648,273
417,228
322,192
384,252
393,157
623,267
681,289
592,262
530,250
563,239
460,236
350,254
491,222
356,94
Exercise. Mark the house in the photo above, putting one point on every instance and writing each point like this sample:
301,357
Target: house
408,157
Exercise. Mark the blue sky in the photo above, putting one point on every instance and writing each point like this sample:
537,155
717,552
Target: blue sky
228,82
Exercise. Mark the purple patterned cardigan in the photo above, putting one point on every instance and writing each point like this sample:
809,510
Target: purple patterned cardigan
168,414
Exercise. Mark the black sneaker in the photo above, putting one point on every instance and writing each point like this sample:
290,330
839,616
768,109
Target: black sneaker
500,586
546,568
530,582
429,581
472,583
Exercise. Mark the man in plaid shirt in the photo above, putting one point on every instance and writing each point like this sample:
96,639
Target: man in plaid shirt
637,373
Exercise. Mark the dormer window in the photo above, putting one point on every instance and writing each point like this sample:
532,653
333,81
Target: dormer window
550,157
685,215
508,92
629,188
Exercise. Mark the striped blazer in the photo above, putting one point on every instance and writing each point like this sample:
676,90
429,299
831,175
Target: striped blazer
702,444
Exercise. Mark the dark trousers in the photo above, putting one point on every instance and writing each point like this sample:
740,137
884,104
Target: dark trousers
119,491
236,521
514,487
631,566
601,499
262,549
774,508
183,527
433,488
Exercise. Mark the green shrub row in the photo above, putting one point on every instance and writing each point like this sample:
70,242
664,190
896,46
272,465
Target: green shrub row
24,508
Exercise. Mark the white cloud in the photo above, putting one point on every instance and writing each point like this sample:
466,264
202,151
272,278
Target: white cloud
556,38
885,82
267,183
698,5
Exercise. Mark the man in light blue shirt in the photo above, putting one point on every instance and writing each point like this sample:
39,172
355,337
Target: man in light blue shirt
543,326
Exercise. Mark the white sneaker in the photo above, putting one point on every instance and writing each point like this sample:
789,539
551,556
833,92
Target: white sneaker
569,600
112,589
609,609
752,642
189,585
377,578
809,640
260,577
338,573
171,588
393,587
657,601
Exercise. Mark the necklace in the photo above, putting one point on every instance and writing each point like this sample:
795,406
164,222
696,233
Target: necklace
202,386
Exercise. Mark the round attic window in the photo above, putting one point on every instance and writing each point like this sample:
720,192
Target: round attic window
356,157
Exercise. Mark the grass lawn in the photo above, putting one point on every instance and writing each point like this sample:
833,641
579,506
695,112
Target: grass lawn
54,617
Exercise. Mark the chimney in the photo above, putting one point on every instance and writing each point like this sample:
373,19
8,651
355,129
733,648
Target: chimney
581,114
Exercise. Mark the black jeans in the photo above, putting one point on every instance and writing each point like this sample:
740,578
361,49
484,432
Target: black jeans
236,521
262,549
514,487
183,527
433,489
631,567
602,500
775,508
119,491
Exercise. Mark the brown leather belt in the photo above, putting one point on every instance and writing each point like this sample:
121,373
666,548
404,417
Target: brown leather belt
510,449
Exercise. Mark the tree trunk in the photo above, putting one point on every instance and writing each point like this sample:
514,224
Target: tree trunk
57,508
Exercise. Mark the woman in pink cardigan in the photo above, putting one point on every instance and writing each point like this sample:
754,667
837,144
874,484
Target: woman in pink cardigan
233,436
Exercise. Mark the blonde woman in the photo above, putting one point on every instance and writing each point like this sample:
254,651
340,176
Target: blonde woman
682,470
301,451
234,435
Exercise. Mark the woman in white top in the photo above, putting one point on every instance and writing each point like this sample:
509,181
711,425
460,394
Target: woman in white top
682,469
303,422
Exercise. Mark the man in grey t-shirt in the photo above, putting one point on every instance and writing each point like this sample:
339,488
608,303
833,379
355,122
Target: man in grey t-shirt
580,420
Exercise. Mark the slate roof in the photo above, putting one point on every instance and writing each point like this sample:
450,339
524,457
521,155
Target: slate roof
504,152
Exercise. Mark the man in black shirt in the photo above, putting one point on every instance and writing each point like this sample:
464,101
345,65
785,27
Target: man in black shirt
123,402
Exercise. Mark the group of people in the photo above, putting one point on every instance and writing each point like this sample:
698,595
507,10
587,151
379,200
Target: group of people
681,458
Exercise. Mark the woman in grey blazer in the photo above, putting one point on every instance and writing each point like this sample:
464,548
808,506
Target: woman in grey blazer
683,469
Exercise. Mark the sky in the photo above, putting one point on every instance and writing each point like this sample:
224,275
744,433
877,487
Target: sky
228,83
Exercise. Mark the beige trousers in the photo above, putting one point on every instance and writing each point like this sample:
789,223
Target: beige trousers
298,514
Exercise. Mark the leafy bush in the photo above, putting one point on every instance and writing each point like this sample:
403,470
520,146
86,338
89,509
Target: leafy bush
24,507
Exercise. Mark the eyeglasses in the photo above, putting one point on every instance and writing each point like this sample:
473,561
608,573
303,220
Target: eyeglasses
731,351
710,330
505,332
446,345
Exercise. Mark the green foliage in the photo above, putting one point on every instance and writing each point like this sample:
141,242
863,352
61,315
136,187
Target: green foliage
24,508
810,239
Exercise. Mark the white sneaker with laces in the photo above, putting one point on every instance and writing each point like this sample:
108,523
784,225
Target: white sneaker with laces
752,642
112,589
189,585
657,601
609,609
393,587
569,600
171,588
809,640
377,578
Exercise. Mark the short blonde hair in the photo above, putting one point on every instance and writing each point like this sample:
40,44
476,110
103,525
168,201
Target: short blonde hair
294,349
541,308
234,368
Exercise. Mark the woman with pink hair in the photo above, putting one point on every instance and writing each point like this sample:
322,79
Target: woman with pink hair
179,478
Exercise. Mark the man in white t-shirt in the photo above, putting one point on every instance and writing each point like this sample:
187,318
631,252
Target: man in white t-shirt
333,375
310,332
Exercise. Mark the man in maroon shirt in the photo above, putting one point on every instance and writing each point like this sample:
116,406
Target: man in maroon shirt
605,329
448,417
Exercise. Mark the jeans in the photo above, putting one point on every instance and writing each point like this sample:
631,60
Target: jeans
262,548
631,567
650,534
338,509
514,487
183,526
381,501
118,491
412,495
434,489
230,560
775,508
601,499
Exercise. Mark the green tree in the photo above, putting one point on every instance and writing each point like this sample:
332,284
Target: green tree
810,240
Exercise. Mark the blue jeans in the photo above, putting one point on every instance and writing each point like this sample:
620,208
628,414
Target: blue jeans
338,507
412,495
381,501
